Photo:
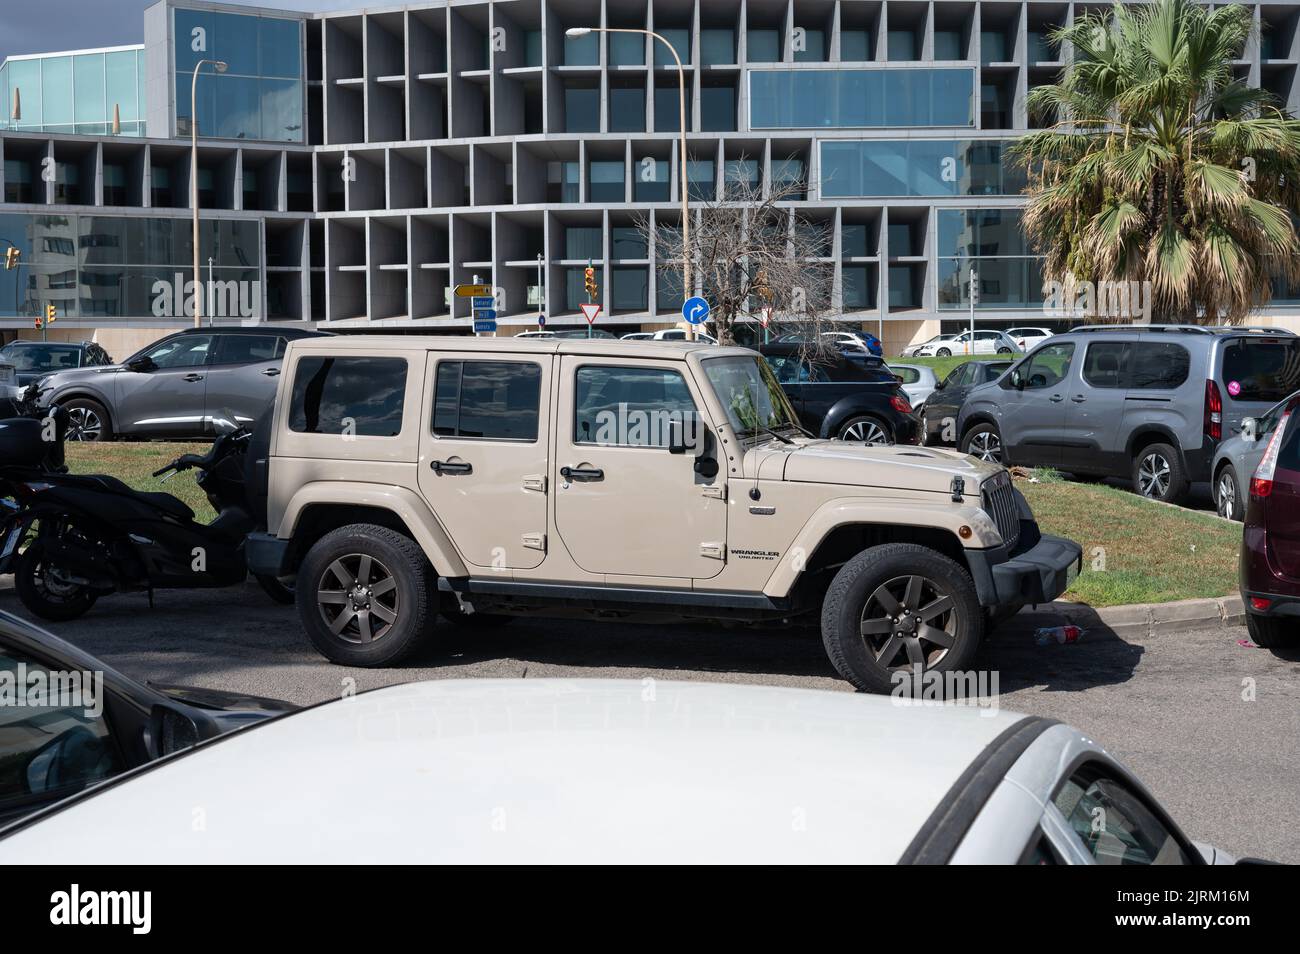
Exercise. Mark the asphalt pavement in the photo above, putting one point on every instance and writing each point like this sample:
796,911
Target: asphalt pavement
1211,726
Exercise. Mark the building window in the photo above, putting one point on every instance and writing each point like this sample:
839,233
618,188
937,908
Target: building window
606,183
627,49
631,289
861,98
651,179
763,46
627,109
718,108
991,241
581,108
563,182
583,243
949,167
668,108
717,47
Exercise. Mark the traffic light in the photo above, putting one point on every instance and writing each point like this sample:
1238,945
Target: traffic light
39,324
590,283
51,313
12,255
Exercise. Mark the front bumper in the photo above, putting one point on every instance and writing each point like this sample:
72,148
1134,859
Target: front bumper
1036,574
267,555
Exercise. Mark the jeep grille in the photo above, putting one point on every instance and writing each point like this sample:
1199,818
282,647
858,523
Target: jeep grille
1000,504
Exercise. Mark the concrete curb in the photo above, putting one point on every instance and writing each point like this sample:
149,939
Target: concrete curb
1141,620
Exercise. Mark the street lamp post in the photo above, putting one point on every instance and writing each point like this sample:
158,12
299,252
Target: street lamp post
687,288
220,66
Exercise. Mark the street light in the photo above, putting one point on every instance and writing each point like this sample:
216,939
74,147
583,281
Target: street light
220,66
687,288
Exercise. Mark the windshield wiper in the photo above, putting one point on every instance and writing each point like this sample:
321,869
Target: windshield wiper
764,429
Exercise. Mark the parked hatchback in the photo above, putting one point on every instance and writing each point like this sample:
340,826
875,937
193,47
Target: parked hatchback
1239,457
1270,546
852,397
172,388
1147,402
968,342
939,416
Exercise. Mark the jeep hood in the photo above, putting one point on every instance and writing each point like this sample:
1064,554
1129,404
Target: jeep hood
857,465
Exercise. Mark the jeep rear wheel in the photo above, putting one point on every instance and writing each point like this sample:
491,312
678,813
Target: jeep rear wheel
364,595
899,610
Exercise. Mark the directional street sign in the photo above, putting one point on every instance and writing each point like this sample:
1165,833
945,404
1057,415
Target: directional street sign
483,302
590,312
473,291
484,314
696,310
483,327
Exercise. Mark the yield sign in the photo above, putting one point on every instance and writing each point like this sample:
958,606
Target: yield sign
590,312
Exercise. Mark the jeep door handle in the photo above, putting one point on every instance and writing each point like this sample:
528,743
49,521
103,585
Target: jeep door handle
192,377
272,372
1056,399
582,473
441,467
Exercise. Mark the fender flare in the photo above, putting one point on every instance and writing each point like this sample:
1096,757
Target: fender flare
830,516
405,504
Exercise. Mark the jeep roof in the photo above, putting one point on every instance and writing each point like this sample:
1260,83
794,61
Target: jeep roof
608,347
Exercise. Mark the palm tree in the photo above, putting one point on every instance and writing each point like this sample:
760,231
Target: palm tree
1164,168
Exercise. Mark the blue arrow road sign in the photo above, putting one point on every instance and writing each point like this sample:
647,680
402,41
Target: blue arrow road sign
541,321
483,304
483,325
696,310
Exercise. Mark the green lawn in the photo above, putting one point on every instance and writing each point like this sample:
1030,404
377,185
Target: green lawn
1136,550
942,366
1149,552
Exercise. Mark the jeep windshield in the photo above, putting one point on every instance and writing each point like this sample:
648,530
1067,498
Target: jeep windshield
748,390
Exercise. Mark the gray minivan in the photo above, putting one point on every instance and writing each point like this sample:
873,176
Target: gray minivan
1146,402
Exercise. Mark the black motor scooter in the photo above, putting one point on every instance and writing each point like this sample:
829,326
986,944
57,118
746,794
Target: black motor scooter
91,535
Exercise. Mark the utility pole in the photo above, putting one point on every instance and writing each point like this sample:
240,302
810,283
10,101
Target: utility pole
974,299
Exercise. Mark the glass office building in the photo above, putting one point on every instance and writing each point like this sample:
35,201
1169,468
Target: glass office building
360,164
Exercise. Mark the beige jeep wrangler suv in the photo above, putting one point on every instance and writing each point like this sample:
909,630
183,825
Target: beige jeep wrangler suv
479,479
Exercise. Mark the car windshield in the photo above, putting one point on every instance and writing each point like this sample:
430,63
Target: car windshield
750,393
1261,369
42,358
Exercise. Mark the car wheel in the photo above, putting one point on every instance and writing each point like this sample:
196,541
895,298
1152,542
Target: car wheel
943,353
1227,495
897,610
866,430
1005,350
983,441
47,591
365,595
1158,474
87,421
1272,633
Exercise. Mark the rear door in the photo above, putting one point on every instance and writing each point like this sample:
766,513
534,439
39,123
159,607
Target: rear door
243,375
1097,388
1255,373
942,407
483,456
168,400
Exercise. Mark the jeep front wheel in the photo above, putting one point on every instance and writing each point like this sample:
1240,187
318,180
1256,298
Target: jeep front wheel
899,610
364,595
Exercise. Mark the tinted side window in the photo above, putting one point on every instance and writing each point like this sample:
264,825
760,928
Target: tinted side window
1261,369
187,351
1104,364
862,371
629,407
245,349
1048,366
908,375
54,748
492,400
360,396
960,377
1116,828
1159,365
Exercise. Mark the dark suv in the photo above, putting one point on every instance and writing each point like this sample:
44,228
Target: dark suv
1147,402
32,360
172,388
852,396
1270,545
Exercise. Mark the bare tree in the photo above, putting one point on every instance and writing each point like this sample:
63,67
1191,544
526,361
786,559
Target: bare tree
751,250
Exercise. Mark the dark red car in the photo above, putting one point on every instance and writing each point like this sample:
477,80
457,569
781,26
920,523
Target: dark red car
1270,548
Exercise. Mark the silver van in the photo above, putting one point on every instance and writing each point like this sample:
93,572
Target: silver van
1146,402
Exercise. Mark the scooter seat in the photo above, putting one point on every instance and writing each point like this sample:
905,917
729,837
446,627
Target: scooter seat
164,502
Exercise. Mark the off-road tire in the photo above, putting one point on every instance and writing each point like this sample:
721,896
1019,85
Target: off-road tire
860,580
415,592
